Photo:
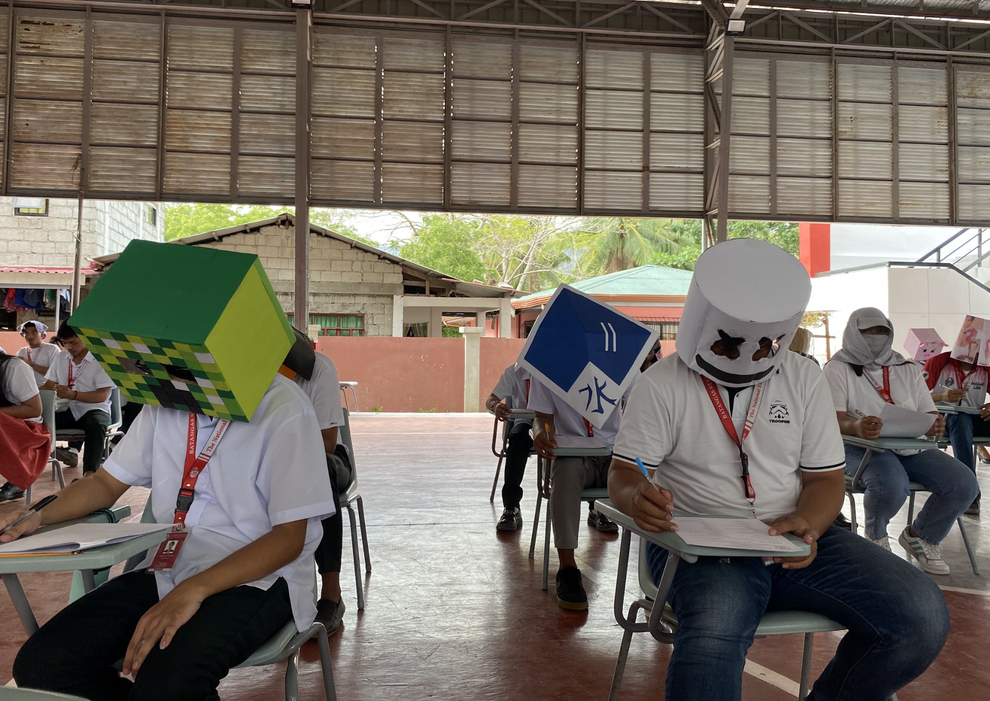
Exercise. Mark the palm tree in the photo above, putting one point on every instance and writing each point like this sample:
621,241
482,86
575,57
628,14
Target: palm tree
611,245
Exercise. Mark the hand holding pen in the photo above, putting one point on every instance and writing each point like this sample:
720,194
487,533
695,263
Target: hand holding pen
653,507
10,530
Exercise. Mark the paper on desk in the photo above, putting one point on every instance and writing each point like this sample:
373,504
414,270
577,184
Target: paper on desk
731,534
899,422
579,442
83,536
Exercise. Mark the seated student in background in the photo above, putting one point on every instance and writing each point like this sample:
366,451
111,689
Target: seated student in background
569,476
514,384
863,376
25,443
316,375
686,416
76,376
250,507
959,383
801,344
38,355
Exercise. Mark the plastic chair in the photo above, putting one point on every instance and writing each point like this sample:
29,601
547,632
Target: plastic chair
284,645
48,418
500,453
662,623
348,498
344,387
543,492
854,485
113,429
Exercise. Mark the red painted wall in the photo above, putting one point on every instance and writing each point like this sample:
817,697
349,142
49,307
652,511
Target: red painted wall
11,341
496,355
815,241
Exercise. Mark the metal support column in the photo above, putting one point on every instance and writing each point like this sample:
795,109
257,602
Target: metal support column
304,63
718,116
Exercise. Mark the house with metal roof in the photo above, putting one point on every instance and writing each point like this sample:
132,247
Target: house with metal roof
652,294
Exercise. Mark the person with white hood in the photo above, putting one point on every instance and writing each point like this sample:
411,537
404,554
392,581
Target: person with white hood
863,376
40,356
735,425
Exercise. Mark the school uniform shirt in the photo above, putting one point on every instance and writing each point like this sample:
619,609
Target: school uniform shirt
87,376
267,472
19,385
514,383
947,371
567,421
43,355
858,397
671,424
323,391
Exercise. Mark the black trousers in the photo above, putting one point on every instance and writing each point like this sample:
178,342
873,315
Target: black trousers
94,423
516,456
75,651
329,549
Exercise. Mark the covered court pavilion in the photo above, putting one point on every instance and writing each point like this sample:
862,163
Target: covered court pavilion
455,612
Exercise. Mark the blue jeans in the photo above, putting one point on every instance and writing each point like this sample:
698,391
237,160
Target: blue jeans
953,488
961,429
896,619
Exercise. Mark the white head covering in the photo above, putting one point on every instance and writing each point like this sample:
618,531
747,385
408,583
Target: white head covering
42,329
743,291
855,349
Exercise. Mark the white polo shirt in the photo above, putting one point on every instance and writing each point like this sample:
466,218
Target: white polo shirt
567,421
87,376
43,355
264,473
857,397
670,424
323,391
18,385
515,384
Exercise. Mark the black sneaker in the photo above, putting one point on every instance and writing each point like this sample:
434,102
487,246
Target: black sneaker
570,590
9,492
973,510
601,522
511,520
330,614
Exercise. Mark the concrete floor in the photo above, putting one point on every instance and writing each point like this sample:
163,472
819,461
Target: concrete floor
455,611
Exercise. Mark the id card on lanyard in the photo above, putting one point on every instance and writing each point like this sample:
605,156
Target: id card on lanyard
726,417
882,390
168,551
72,378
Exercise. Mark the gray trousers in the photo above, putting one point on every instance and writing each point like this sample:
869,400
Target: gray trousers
568,478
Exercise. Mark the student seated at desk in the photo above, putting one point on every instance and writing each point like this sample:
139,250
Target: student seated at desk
316,375
246,496
39,356
25,443
737,426
75,375
569,476
513,384
956,382
863,376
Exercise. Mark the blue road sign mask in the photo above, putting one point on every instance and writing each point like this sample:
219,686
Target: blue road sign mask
744,305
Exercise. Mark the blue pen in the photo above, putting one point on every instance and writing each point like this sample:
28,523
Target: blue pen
642,468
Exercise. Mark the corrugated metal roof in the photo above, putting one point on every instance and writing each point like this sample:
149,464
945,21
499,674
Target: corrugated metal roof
643,280
466,289
43,269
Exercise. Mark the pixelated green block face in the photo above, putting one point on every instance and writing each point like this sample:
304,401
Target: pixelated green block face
163,373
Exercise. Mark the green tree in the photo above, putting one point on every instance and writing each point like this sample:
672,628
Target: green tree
446,243
183,220
782,234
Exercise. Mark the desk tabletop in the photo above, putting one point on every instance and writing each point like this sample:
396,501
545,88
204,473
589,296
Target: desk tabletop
96,558
517,414
891,443
582,452
953,409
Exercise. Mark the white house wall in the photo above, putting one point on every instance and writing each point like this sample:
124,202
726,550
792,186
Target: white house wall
842,294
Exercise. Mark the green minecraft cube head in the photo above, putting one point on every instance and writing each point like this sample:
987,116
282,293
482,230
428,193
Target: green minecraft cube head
186,327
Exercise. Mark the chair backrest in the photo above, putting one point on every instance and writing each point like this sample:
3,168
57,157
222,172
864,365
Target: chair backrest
345,439
48,412
116,417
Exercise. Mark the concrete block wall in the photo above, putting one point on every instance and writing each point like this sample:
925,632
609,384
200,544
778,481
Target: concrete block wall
343,279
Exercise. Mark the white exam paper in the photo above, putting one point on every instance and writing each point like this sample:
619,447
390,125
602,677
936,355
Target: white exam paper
83,536
731,534
899,422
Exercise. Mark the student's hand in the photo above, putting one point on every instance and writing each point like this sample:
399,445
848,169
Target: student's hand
869,427
938,428
652,508
501,411
29,526
63,392
954,395
160,622
544,444
798,526
985,412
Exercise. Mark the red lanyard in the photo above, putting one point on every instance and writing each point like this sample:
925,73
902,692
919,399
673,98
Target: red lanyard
730,428
588,427
72,380
527,391
31,362
883,391
194,466
961,379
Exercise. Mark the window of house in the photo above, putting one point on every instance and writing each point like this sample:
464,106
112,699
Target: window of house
30,207
339,324
152,215
666,327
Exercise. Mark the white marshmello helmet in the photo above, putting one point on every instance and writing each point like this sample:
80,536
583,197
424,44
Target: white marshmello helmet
744,294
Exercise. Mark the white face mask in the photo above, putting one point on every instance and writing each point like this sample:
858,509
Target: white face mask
876,344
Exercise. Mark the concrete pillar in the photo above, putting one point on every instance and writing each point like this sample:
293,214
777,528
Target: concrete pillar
815,241
397,319
505,318
436,322
472,367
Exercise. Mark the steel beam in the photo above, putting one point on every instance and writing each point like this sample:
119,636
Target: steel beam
304,63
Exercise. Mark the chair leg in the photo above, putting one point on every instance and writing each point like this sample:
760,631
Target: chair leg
809,644
292,677
498,471
27,496
911,509
358,587
329,687
536,525
364,534
546,551
620,663
852,512
969,548
57,470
